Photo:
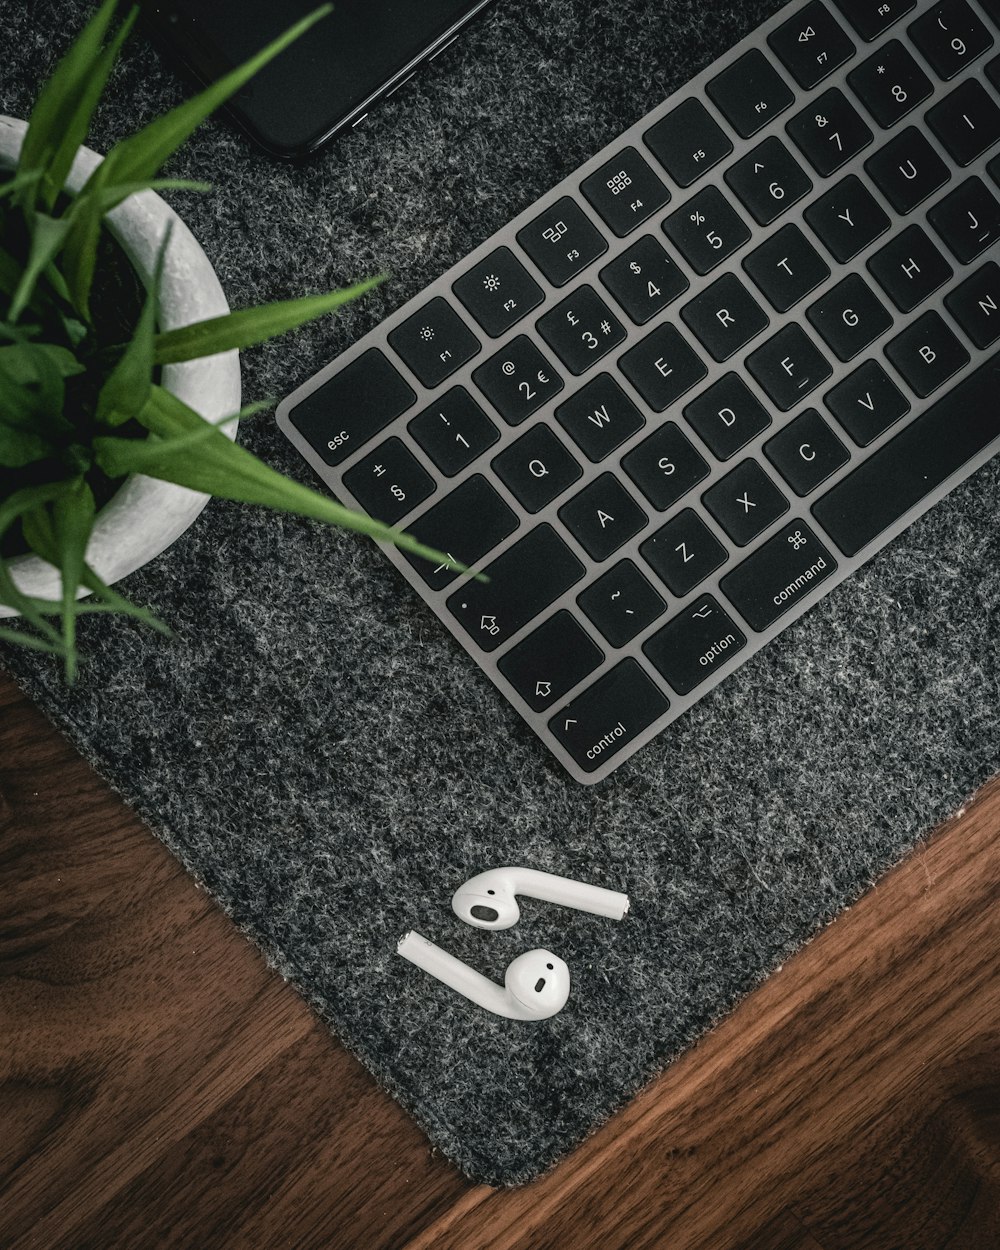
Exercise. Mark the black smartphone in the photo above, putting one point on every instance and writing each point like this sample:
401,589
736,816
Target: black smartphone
325,82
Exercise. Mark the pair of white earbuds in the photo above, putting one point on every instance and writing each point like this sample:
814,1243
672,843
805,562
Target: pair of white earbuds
536,984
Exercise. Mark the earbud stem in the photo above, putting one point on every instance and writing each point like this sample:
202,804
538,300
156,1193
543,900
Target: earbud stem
567,893
459,976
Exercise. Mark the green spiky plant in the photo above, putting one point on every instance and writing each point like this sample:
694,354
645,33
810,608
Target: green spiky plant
81,407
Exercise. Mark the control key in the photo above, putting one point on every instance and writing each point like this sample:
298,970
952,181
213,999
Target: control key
609,714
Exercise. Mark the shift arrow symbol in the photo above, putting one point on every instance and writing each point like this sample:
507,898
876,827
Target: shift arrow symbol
542,689
487,622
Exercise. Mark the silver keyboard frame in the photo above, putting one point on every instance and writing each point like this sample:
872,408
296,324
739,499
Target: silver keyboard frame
799,508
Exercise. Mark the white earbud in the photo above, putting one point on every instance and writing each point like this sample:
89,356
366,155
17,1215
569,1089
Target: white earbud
536,984
488,901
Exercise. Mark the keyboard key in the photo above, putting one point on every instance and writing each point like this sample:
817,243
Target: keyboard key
778,575
725,317
599,417
806,452
968,219
602,516
768,180
609,715
789,366
352,406
849,317
745,502
498,292
829,132
706,230
927,354
727,416
453,430
871,17
625,191
867,403
847,218
465,525
749,93
621,603
434,342
389,482
811,45
910,268
967,122
698,641
687,142
683,552
518,380
581,329
786,267
910,466
552,660
890,84
907,170
523,581
562,241
662,367
536,468
975,305
644,279
665,466
950,36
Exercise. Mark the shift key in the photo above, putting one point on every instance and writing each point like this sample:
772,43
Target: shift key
608,715
773,580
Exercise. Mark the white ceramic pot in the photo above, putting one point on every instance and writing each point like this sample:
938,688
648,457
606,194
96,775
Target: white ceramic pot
146,515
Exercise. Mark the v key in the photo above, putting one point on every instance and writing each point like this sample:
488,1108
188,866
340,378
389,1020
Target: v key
867,403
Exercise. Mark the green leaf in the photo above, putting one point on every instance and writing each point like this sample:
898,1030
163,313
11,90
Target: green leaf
24,639
16,506
23,178
18,361
118,457
73,516
21,447
48,234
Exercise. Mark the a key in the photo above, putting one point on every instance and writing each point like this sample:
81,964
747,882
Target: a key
562,241
768,180
788,366
745,502
608,715
778,575
806,452
688,142
811,45
665,466
890,84
829,132
847,218
724,317
352,406
968,219
581,329
849,316
727,416
950,36
465,525
706,230
518,380
602,516
749,93
498,291
553,659
967,122
599,417
453,430
907,170
975,305
389,482
915,462
644,279
523,581
927,354
434,342
683,552
694,644
536,468
871,17
621,603
625,191
867,402
662,367
786,267
909,268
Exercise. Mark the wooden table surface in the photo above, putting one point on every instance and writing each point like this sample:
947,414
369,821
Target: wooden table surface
160,1087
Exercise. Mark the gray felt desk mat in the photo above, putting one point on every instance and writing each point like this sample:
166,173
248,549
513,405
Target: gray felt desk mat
316,750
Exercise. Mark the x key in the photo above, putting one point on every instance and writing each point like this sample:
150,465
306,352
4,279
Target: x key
745,502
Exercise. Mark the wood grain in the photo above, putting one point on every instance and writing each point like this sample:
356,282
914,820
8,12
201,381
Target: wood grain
160,1087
